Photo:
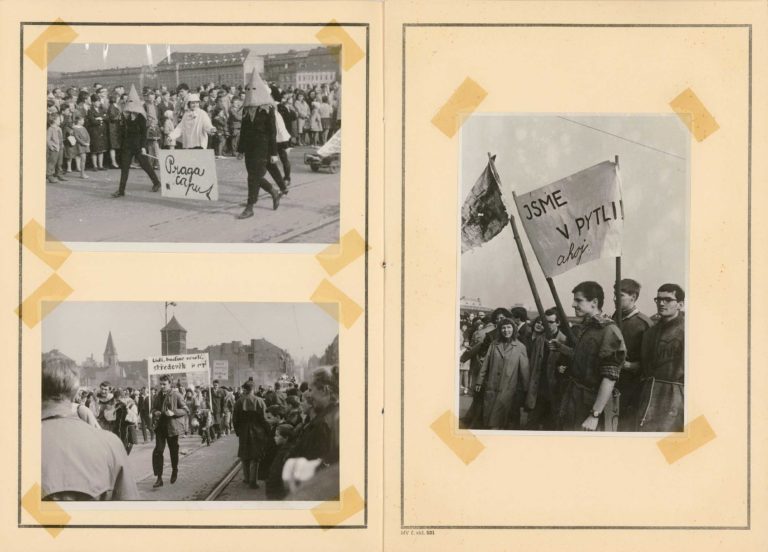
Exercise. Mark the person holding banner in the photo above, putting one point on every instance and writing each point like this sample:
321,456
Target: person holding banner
595,362
133,143
168,411
258,141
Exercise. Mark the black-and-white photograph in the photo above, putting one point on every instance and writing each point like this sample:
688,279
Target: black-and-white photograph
573,273
194,143
171,401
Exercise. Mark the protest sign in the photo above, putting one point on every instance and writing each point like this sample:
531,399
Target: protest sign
178,364
574,220
221,369
189,174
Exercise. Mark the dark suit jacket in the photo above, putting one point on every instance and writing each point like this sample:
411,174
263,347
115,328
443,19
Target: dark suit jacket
170,425
258,136
134,133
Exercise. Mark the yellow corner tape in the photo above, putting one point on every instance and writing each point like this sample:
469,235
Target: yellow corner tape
336,303
41,243
465,445
51,514
332,513
334,34
697,434
465,99
50,43
335,257
694,115
43,300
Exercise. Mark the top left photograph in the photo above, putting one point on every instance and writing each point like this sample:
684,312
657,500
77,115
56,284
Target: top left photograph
193,143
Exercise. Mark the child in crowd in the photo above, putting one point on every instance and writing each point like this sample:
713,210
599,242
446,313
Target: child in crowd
168,125
220,122
235,120
54,150
284,441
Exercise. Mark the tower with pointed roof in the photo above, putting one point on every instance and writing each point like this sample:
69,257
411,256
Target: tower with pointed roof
110,359
173,338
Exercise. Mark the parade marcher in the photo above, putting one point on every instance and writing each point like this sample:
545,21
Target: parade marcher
660,407
126,418
543,395
195,125
634,324
106,404
79,461
228,407
283,138
134,142
258,141
145,415
253,432
505,363
168,410
595,362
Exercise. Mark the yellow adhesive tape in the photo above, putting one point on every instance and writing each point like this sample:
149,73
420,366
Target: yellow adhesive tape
463,443
43,300
334,34
335,257
465,99
50,43
37,239
336,303
697,434
694,115
332,513
50,514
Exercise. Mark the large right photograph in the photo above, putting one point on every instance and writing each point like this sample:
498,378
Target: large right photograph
573,273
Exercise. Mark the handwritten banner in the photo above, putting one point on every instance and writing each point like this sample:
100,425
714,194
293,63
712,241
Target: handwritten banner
221,369
575,220
189,174
178,364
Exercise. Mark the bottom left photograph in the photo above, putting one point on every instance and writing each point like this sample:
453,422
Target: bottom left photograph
174,401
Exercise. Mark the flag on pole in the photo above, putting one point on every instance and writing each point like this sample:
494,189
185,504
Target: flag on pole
149,54
483,214
575,220
105,52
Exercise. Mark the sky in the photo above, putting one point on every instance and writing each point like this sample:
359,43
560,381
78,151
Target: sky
78,329
78,57
535,150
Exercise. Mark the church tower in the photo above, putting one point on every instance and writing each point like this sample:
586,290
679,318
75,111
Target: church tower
111,364
173,338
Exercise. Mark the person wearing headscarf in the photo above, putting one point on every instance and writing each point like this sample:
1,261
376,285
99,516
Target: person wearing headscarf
505,362
258,141
134,140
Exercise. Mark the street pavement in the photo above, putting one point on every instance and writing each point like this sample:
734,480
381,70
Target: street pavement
201,468
82,210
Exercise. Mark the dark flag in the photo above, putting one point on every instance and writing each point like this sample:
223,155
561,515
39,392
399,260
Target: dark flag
483,214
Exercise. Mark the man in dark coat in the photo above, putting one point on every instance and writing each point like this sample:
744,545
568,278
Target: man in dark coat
133,143
634,324
662,396
258,141
169,411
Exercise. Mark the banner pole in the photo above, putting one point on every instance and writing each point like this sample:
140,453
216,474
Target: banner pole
564,324
618,274
528,275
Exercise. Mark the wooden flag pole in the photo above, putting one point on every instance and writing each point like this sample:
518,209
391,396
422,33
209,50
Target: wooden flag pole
618,276
564,324
528,275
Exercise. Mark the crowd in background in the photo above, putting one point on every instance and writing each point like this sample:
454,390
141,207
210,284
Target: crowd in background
84,124
282,429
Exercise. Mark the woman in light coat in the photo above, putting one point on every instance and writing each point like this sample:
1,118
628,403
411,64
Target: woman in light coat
505,363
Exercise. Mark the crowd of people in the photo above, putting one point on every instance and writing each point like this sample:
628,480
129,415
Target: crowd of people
93,128
288,433
602,373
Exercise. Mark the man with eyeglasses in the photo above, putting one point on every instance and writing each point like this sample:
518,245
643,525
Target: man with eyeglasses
663,365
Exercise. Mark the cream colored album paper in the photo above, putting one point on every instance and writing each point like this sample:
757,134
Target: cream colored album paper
430,90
